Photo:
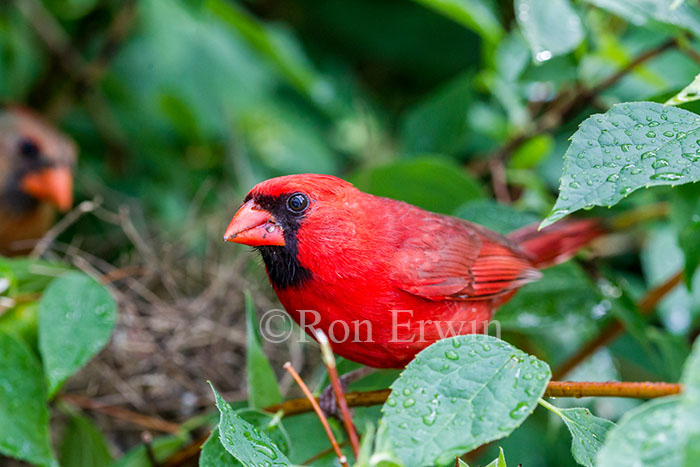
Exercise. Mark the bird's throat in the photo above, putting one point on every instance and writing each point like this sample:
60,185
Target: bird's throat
283,266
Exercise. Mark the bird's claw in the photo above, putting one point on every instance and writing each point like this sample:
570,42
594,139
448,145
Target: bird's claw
328,401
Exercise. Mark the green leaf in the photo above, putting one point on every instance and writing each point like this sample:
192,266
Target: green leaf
76,318
691,452
263,389
689,93
376,451
499,217
432,183
214,454
276,133
475,14
30,275
552,27
631,146
83,445
531,152
661,432
683,14
685,214
24,431
500,461
268,424
652,434
588,432
562,300
661,258
282,52
21,321
245,442
691,374
438,123
460,393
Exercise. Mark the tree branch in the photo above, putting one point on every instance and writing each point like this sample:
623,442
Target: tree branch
643,390
568,103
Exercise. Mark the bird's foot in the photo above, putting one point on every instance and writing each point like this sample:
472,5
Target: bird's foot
327,399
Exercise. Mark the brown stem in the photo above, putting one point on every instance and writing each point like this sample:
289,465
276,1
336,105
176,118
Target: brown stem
692,53
644,390
646,305
641,58
637,390
313,405
329,361
144,421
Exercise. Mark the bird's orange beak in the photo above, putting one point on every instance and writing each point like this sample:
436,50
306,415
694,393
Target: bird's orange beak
54,185
254,226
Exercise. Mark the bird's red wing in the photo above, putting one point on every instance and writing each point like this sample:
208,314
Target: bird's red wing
445,258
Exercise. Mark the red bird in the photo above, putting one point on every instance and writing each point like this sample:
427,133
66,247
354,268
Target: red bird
35,177
395,276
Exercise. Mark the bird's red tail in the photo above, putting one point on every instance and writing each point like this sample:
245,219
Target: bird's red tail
556,243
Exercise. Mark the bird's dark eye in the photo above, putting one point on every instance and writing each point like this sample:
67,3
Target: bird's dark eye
298,203
28,148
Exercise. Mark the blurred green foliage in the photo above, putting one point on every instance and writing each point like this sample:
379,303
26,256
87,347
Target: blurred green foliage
441,103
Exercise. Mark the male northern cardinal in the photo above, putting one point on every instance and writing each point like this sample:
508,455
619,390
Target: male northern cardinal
35,177
396,276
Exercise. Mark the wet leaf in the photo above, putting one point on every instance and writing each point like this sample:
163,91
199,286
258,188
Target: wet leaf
460,393
633,145
24,431
245,442
552,27
76,318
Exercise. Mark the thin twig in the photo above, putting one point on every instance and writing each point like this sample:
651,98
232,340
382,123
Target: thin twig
646,305
60,226
143,421
329,361
641,58
313,403
52,34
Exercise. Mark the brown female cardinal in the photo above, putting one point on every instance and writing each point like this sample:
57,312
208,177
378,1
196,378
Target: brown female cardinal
35,177
382,278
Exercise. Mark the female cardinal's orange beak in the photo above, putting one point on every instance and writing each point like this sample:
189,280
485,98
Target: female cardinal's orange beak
54,185
254,226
